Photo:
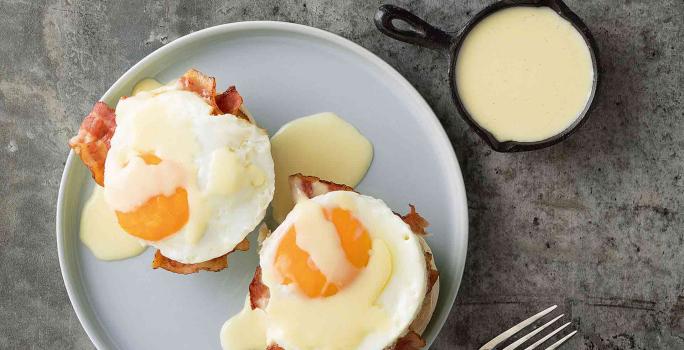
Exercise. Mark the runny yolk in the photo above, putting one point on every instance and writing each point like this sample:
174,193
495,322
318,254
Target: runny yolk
294,264
159,217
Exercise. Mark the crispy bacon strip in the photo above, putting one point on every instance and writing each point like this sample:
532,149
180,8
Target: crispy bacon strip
258,291
415,221
229,101
201,84
213,265
303,186
92,141
410,341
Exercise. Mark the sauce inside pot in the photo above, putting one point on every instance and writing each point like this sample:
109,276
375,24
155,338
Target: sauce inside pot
524,74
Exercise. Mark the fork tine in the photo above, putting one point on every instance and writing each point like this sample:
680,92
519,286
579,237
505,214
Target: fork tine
532,334
515,329
561,341
540,341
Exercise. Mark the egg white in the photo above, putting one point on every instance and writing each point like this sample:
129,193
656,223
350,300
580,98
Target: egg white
400,299
178,127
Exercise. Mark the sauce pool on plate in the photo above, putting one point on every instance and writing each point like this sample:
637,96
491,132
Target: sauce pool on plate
146,84
101,233
524,74
322,145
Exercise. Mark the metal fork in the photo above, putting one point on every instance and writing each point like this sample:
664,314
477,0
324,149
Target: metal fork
518,327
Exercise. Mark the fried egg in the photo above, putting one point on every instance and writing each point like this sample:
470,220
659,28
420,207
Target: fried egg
343,272
187,182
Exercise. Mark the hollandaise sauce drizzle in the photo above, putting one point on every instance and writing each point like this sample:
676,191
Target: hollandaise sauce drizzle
101,233
146,84
322,145
246,330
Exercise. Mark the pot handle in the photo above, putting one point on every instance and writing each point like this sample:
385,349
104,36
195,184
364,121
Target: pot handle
419,32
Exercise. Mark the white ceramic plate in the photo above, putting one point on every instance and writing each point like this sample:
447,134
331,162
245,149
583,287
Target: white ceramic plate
284,71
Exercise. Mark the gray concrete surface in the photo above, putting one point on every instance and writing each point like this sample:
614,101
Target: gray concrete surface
594,224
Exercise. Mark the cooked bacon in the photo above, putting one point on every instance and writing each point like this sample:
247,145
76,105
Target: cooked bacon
201,84
242,246
259,293
213,265
415,221
92,141
311,186
229,101
433,274
274,347
410,341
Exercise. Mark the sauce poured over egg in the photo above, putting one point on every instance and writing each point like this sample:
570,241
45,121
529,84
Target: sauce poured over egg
179,178
297,266
160,216
191,183
343,272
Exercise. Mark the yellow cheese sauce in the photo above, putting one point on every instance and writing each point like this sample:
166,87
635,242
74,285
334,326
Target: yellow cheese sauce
351,315
318,236
322,145
146,84
246,330
524,74
101,233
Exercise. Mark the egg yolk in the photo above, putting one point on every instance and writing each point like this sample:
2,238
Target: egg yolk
295,266
159,217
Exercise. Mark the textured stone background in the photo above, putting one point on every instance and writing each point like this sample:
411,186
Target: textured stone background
593,224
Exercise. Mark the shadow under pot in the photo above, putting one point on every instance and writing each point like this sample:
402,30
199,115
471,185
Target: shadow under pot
524,74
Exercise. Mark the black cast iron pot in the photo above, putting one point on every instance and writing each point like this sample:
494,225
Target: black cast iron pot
423,34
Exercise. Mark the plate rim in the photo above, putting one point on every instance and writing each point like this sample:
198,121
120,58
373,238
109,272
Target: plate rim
453,168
